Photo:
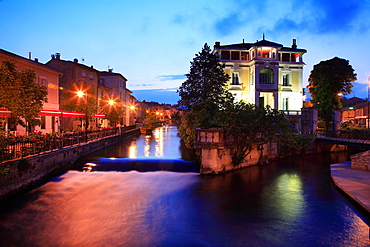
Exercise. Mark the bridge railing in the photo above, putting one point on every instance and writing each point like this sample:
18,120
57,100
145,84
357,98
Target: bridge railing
345,134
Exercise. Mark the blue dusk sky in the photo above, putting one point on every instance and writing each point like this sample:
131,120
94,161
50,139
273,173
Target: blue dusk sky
152,43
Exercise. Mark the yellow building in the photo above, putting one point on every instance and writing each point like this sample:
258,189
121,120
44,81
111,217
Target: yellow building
264,73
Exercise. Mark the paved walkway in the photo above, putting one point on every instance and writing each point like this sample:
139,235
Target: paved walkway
354,183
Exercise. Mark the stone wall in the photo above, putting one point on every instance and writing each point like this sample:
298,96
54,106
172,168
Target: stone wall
20,175
216,155
361,161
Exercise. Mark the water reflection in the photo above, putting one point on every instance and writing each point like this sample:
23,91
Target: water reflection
159,151
286,203
164,142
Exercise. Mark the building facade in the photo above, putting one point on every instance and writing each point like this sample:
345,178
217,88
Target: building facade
264,73
119,92
76,77
45,76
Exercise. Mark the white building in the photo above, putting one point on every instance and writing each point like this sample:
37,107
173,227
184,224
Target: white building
264,73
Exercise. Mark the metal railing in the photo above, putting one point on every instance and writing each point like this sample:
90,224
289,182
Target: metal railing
358,136
33,144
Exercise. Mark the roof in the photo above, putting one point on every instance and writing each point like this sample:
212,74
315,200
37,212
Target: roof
267,43
261,43
357,106
107,73
36,63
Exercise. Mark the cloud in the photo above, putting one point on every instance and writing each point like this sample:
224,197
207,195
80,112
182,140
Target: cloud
313,16
171,77
141,85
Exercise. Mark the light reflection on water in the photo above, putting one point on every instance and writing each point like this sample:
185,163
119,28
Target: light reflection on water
163,143
288,203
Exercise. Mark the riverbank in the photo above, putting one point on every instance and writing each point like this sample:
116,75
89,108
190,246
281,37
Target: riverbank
354,183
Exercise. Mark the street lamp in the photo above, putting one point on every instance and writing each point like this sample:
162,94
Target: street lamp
81,94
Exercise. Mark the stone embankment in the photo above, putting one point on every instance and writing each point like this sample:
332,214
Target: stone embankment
24,174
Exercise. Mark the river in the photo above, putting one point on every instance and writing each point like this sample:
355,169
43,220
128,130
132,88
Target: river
291,202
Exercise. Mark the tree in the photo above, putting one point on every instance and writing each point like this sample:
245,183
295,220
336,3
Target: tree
247,127
205,81
327,80
203,94
21,94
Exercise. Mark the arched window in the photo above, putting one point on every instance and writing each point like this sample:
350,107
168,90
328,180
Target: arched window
266,76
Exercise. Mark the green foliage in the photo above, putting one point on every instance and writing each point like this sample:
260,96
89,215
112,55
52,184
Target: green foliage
201,115
248,126
205,81
21,94
151,121
327,80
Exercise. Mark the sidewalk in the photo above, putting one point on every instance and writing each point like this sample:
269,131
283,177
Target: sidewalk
354,183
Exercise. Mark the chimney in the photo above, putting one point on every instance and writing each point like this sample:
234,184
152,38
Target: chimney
217,44
57,56
110,70
36,60
52,56
30,56
243,41
75,60
294,46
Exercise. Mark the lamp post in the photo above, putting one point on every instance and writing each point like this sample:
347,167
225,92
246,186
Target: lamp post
111,103
81,94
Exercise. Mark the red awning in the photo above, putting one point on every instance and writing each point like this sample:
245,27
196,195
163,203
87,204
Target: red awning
99,116
71,114
53,113
60,113
4,112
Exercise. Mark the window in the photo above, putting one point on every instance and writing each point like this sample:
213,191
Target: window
235,79
286,80
285,103
235,55
91,75
266,76
43,125
43,81
83,73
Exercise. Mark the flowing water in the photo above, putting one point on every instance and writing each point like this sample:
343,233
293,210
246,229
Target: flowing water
291,202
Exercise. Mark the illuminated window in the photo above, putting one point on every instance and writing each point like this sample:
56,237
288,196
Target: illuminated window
266,76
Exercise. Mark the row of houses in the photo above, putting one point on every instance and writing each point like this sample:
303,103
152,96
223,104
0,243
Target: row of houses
63,77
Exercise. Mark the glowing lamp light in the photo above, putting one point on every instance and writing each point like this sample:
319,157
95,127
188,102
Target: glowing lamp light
132,107
80,94
351,108
111,102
